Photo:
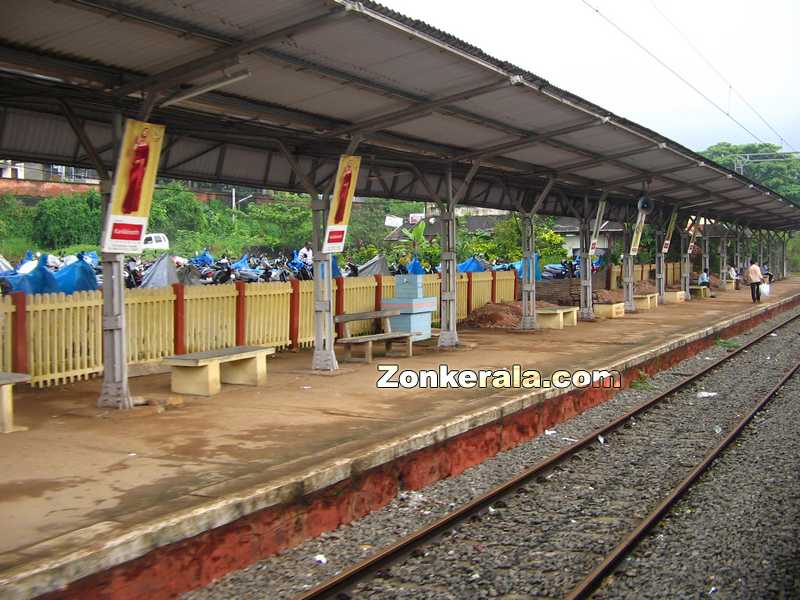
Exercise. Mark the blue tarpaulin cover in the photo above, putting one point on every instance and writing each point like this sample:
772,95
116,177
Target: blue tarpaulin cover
415,268
38,281
204,259
471,265
92,258
335,271
241,263
77,277
518,266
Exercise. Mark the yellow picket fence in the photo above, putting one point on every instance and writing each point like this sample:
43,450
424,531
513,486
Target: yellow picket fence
210,317
481,289
359,296
305,336
461,296
431,287
505,286
267,314
149,329
64,337
387,286
6,314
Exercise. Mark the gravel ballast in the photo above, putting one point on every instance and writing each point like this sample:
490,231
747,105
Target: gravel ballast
541,541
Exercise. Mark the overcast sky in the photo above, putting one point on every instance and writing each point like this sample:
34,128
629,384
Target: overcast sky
753,44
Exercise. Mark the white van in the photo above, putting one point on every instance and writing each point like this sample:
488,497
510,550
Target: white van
156,241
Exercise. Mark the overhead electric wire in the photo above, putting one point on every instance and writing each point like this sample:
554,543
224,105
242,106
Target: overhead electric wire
673,71
720,75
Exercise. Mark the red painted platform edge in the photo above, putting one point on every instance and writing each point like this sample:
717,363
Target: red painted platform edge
170,570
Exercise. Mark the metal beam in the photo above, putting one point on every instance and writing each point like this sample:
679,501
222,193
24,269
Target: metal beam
222,58
576,166
418,110
83,138
526,142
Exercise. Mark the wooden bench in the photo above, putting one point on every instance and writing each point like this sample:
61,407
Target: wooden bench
388,337
699,291
557,317
646,301
202,373
7,381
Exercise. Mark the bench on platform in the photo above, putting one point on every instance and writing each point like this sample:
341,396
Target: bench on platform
202,373
556,317
674,297
7,381
646,301
700,291
388,337
615,310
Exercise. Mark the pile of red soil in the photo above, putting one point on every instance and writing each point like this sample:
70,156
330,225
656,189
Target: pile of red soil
644,287
499,316
609,296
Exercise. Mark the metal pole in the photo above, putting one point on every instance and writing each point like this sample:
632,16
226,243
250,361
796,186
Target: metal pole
528,322
587,308
324,358
661,283
448,331
114,392
723,260
627,271
686,266
706,252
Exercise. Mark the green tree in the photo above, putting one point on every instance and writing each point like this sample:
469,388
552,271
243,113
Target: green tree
67,220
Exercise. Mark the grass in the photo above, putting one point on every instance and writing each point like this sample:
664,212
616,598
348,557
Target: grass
727,343
642,383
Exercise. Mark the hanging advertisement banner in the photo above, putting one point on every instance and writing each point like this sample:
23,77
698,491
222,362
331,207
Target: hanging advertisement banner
637,233
670,231
132,194
598,223
341,202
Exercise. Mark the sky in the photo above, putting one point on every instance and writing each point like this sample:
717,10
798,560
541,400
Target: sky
753,45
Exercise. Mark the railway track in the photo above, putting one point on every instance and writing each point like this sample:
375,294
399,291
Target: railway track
609,517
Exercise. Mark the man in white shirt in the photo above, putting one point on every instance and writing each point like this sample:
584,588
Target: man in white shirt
755,278
306,254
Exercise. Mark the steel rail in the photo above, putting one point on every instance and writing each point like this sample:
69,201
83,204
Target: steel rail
403,547
598,575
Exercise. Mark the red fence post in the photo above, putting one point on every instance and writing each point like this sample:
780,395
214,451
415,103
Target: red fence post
517,293
378,291
19,334
179,318
340,304
241,314
294,315
469,293
494,287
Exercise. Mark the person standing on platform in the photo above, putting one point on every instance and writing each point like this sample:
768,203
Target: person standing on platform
755,278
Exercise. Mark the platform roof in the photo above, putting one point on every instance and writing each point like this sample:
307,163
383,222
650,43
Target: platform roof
320,72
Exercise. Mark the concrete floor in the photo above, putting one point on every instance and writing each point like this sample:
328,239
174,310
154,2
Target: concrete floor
78,466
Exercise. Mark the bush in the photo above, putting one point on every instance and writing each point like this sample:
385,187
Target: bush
67,220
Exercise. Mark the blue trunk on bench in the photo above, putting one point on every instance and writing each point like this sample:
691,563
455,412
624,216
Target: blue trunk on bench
415,309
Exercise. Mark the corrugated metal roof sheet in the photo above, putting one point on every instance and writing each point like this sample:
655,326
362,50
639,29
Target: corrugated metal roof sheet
367,62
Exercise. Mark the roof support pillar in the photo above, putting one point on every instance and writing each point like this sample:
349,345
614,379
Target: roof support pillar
706,252
723,260
686,263
737,253
786,254
114,392
448,316
661,283
528,239
585,235
628,284
760,235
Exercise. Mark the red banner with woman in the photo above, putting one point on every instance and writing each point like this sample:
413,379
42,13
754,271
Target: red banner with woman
134,181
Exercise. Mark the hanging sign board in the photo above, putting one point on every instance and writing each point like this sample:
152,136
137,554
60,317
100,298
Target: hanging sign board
670,231
132,194
598,223
692,244
341,201
637,233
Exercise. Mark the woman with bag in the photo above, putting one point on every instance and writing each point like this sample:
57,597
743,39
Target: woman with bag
755,278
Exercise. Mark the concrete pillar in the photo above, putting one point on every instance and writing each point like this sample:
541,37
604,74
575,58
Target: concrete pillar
760,249
723,259
587,307
786,255
448,336
627,272
528,273
737,258
661,282
114,392
686,266
706,252
324,357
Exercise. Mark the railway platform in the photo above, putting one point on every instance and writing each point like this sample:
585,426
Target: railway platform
162,500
